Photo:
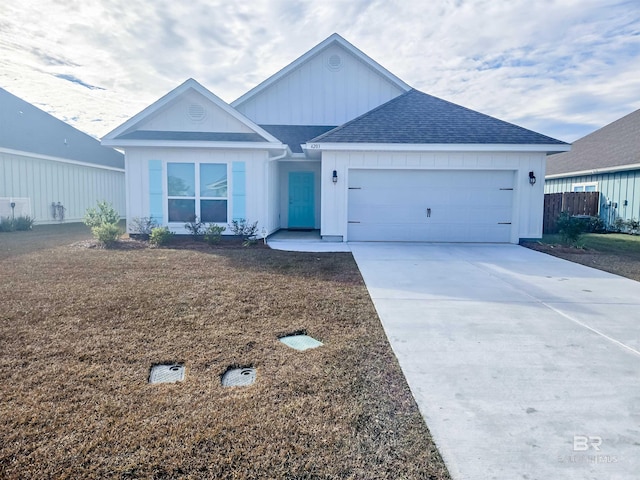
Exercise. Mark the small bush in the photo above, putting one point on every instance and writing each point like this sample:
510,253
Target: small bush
571,229
21,223
213,233
632,226
618,225
6,224
160,236
143,225
104,213
195,227
245,230
596,225
107,234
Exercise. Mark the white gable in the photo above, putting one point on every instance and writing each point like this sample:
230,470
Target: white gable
184,114
192,112
330,85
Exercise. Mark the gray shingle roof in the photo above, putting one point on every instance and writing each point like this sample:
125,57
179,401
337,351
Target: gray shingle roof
417,118
26,128
614,145
296,135
192,136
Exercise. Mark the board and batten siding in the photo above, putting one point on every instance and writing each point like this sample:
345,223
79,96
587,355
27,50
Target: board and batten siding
76,186
318,93
614,187
528,201
207,117
249,167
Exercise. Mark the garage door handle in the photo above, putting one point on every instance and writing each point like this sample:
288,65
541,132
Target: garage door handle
428,213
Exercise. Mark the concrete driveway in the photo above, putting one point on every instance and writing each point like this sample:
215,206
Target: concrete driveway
523,365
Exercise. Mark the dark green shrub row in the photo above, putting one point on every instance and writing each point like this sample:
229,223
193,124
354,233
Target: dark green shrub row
21,223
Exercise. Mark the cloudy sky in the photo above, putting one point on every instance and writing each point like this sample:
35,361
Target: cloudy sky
560,67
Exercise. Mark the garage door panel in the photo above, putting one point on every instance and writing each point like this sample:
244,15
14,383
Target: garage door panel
422,233
427,205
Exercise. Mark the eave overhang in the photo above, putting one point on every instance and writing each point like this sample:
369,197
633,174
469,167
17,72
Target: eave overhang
595,171
313,149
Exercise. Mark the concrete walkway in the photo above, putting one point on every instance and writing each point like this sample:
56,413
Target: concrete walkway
524,366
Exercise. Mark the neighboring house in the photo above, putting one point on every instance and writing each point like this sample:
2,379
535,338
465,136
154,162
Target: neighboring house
49,168
335,142
605,161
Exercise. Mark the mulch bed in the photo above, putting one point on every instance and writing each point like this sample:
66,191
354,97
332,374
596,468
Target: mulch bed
624,265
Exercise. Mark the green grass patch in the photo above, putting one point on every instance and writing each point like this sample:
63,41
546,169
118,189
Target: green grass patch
609,243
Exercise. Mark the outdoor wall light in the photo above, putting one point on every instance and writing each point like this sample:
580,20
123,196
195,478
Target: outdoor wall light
532,178
334,177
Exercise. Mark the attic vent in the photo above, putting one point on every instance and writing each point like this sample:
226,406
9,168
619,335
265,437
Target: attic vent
196,112
334,62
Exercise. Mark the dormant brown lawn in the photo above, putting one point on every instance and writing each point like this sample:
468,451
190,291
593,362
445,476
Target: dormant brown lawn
81,327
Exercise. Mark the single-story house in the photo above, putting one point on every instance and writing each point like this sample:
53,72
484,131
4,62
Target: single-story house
51,171
335,142
605,161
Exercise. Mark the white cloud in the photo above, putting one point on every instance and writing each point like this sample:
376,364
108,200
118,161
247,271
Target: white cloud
561,67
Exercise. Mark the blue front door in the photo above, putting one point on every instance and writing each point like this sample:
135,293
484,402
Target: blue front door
301,200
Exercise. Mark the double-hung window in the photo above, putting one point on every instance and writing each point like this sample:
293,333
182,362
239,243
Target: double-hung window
197,190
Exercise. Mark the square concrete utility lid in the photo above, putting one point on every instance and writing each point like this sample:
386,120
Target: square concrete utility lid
166,373
301,342
239,377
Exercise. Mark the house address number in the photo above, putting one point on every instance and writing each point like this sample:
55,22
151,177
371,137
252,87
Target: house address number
314,146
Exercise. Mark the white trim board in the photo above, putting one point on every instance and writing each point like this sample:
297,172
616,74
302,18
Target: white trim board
595,171
58,159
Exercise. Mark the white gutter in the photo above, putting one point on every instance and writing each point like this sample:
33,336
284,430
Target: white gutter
286,152
193,144
448,147
595,171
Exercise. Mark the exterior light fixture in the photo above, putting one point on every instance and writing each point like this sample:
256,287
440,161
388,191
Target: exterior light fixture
334,177
532,178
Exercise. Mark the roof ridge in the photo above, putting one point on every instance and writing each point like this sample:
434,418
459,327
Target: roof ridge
415,117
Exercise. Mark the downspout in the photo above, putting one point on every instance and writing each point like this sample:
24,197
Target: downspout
285,152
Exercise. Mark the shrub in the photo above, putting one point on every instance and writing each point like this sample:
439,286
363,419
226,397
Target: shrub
6,224
596,225
160,236
245,230
107,234
213,233
571,229
104,213
143,225
23,222
195,227
618,225
632,225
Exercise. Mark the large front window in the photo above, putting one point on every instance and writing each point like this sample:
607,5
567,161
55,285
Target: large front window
208,202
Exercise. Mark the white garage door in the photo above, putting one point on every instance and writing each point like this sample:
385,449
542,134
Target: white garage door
430,205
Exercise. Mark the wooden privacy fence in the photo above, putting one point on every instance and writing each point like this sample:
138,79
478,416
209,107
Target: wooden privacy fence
576,203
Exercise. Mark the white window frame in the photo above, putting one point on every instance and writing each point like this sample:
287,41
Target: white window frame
582,186
197,198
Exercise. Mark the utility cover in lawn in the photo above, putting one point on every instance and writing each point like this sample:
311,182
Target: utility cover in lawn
166,374
301,342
